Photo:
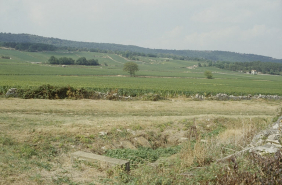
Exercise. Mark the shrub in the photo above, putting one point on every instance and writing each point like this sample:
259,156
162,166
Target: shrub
53,92
208,74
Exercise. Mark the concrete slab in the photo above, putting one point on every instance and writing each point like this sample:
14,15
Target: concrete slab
103,160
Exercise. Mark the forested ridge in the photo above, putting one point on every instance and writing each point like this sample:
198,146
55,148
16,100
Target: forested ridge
30,47
204,55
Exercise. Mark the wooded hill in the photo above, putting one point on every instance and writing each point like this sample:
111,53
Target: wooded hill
207,55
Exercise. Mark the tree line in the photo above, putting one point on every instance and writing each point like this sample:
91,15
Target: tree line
34,47
263,67
30,47
70,61
5,57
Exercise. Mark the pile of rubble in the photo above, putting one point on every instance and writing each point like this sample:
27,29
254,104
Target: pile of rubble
12,92
268,141
222,96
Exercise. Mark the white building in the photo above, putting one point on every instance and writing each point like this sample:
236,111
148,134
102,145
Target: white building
254,72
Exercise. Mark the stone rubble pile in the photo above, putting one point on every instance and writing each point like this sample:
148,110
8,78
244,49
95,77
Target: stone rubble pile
222,96
12,92
268,141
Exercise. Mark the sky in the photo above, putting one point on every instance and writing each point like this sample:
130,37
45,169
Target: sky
243,26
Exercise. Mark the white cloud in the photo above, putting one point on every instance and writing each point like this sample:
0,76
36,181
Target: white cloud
256,31
174,33
206,39
242,26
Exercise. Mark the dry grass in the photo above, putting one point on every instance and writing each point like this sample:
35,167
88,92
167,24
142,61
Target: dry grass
71,125
139,108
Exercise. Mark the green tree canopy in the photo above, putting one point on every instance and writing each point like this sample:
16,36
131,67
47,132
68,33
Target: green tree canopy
208,74
53,60
131,68
81,61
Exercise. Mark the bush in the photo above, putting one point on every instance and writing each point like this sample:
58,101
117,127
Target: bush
208,74
52,92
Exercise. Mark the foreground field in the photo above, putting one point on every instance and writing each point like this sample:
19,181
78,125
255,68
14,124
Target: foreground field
37,137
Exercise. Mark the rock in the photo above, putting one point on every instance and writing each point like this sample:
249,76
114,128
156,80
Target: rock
199,97
204,141
108,147
131,131
274,137
272,141
127,144
104,162
142,141
11,92
172,139
271,137
183,139
103,133
258,143
267,148
276,126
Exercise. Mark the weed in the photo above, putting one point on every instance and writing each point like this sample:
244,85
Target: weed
37,178
62,180
27,151
137,127
45,165
142,155
164,126
5,140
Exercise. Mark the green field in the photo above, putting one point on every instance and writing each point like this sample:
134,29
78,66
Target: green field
160,75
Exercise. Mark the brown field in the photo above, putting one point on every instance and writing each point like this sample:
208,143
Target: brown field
66,126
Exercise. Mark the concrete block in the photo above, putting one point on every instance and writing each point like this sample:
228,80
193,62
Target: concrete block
104,161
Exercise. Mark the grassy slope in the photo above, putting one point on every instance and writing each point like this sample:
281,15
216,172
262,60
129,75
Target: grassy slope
19,71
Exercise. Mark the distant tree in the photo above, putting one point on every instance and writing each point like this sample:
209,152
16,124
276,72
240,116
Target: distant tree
53,60
151,55
81,61
131,68
84,61
199,64
93,62
66,61
208,74
5,57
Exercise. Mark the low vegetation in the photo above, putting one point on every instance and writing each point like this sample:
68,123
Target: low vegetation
38,147
5,57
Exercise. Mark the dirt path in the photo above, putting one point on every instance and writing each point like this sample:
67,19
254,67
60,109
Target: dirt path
114,60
